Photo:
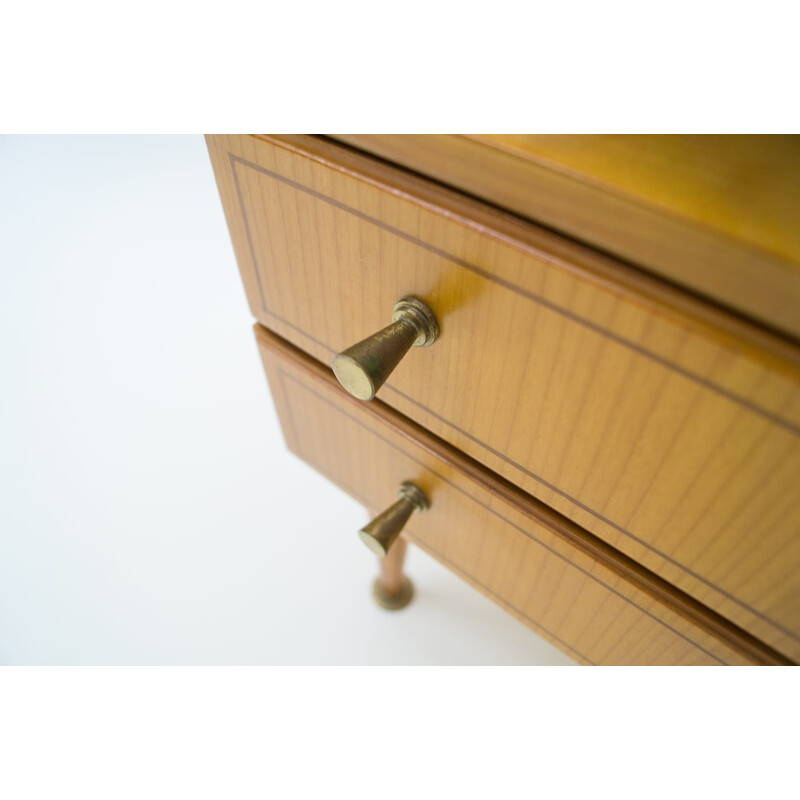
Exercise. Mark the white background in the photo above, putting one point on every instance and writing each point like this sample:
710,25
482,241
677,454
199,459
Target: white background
571,67
149,510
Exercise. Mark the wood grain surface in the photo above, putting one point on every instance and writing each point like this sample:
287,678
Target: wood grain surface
595,604
659,424
717,214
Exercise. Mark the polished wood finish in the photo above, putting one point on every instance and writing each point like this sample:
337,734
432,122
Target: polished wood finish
718,214
592,602
661,425
392,577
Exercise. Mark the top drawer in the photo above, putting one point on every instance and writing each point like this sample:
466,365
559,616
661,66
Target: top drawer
715,213
663,426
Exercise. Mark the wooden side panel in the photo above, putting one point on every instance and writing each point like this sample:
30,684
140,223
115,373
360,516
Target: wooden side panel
671,432
570,598
717,214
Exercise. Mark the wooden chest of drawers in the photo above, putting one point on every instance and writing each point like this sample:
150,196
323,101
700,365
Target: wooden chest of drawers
609,456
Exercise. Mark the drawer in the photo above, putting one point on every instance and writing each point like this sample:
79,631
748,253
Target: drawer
560,581
717,214
662,425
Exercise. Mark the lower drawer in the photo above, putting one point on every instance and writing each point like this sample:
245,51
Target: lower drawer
570,587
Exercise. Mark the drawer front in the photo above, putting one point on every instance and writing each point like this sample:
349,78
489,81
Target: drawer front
715,213
664,427
510,552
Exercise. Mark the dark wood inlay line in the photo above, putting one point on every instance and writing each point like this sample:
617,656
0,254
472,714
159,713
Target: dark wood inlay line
549,304
246,222
346,487
744,402
718,589
527,534
496,597
788,425
582,540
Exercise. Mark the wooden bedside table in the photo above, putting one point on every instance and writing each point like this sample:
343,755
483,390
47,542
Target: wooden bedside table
604,418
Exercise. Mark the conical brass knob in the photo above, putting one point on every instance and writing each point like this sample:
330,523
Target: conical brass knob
363,368
380,534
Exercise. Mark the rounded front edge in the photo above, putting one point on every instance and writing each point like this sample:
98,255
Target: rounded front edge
352,376
372,543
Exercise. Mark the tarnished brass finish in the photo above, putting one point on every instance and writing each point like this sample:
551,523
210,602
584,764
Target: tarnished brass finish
363,368
396,600
380,534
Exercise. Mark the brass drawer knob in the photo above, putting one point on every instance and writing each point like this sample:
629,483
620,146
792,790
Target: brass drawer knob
363,368
380,534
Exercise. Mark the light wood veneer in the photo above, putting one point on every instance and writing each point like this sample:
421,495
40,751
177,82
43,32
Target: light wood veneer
593,603
717,214
658,423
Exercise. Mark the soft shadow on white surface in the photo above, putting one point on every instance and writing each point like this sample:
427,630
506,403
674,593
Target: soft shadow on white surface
149,510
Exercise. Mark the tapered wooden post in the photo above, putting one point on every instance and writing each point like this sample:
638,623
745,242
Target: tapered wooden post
392,589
